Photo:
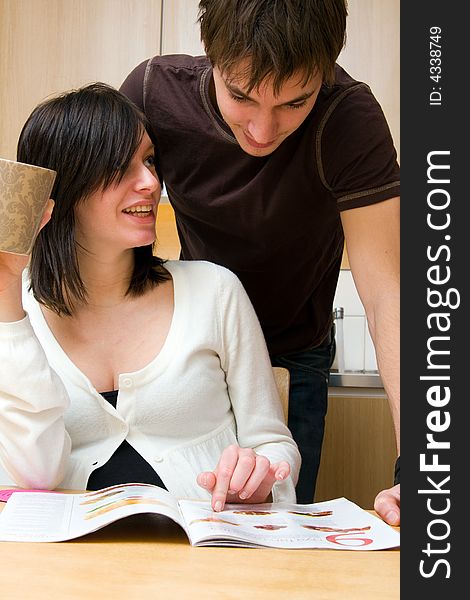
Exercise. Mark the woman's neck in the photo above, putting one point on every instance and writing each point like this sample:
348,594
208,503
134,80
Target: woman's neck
106,277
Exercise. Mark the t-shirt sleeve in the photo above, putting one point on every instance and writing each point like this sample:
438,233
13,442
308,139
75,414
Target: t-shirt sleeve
133,85
357,157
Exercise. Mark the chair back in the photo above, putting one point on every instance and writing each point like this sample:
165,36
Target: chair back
282,377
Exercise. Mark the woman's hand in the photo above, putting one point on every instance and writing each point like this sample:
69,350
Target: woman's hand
243,476
11,267
11,306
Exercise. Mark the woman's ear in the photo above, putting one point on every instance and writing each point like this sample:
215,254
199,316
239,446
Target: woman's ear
46,217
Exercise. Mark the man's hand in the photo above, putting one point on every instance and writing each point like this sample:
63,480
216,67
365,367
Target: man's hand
243,476
387,505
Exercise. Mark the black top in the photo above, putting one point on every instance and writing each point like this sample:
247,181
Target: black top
126,465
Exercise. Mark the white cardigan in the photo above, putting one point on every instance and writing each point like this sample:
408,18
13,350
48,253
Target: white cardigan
210,385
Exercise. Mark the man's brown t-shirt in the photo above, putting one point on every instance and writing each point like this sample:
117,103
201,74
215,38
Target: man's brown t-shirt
273,220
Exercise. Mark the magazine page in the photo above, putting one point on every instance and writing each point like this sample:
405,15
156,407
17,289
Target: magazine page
55,517
336,524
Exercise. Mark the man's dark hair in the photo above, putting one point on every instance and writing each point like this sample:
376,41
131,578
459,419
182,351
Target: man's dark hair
88,136
278,37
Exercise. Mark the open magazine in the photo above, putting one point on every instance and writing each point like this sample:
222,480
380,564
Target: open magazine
335,524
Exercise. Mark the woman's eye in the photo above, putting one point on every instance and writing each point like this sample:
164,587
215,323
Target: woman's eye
150,161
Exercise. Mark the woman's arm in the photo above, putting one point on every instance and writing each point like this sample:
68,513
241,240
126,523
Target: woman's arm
34,446
267,460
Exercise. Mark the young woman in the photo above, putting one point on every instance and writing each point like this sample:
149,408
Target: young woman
116,365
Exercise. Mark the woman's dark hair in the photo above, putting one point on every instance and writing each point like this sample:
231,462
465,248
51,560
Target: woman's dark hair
88,136
279,37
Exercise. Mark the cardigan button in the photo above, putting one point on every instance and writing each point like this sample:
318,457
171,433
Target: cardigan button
159,459
127,382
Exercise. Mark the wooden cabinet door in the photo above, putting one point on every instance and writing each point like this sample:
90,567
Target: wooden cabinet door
180,28
359,450
50,46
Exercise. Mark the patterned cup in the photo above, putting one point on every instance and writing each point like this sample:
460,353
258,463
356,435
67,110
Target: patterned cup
24,192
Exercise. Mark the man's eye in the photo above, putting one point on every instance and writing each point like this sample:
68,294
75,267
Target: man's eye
298,105
238,98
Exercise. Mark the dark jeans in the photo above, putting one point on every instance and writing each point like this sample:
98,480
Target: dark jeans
308,402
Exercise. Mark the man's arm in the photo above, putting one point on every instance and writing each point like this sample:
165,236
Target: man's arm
372,236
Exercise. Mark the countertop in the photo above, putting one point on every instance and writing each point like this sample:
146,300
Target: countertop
359,379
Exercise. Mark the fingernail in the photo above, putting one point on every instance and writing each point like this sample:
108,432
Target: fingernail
392,517
218,506
281,475
243,495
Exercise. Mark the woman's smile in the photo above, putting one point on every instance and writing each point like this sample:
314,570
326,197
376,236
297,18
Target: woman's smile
140,210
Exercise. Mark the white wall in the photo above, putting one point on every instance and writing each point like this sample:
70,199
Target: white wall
359,353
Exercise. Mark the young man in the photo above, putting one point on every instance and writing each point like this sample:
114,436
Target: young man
273,156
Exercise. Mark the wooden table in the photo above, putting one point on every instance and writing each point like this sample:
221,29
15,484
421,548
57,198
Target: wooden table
147,557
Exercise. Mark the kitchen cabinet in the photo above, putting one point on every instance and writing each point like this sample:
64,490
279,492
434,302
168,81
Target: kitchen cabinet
180,28
372,54
50,46
359,450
